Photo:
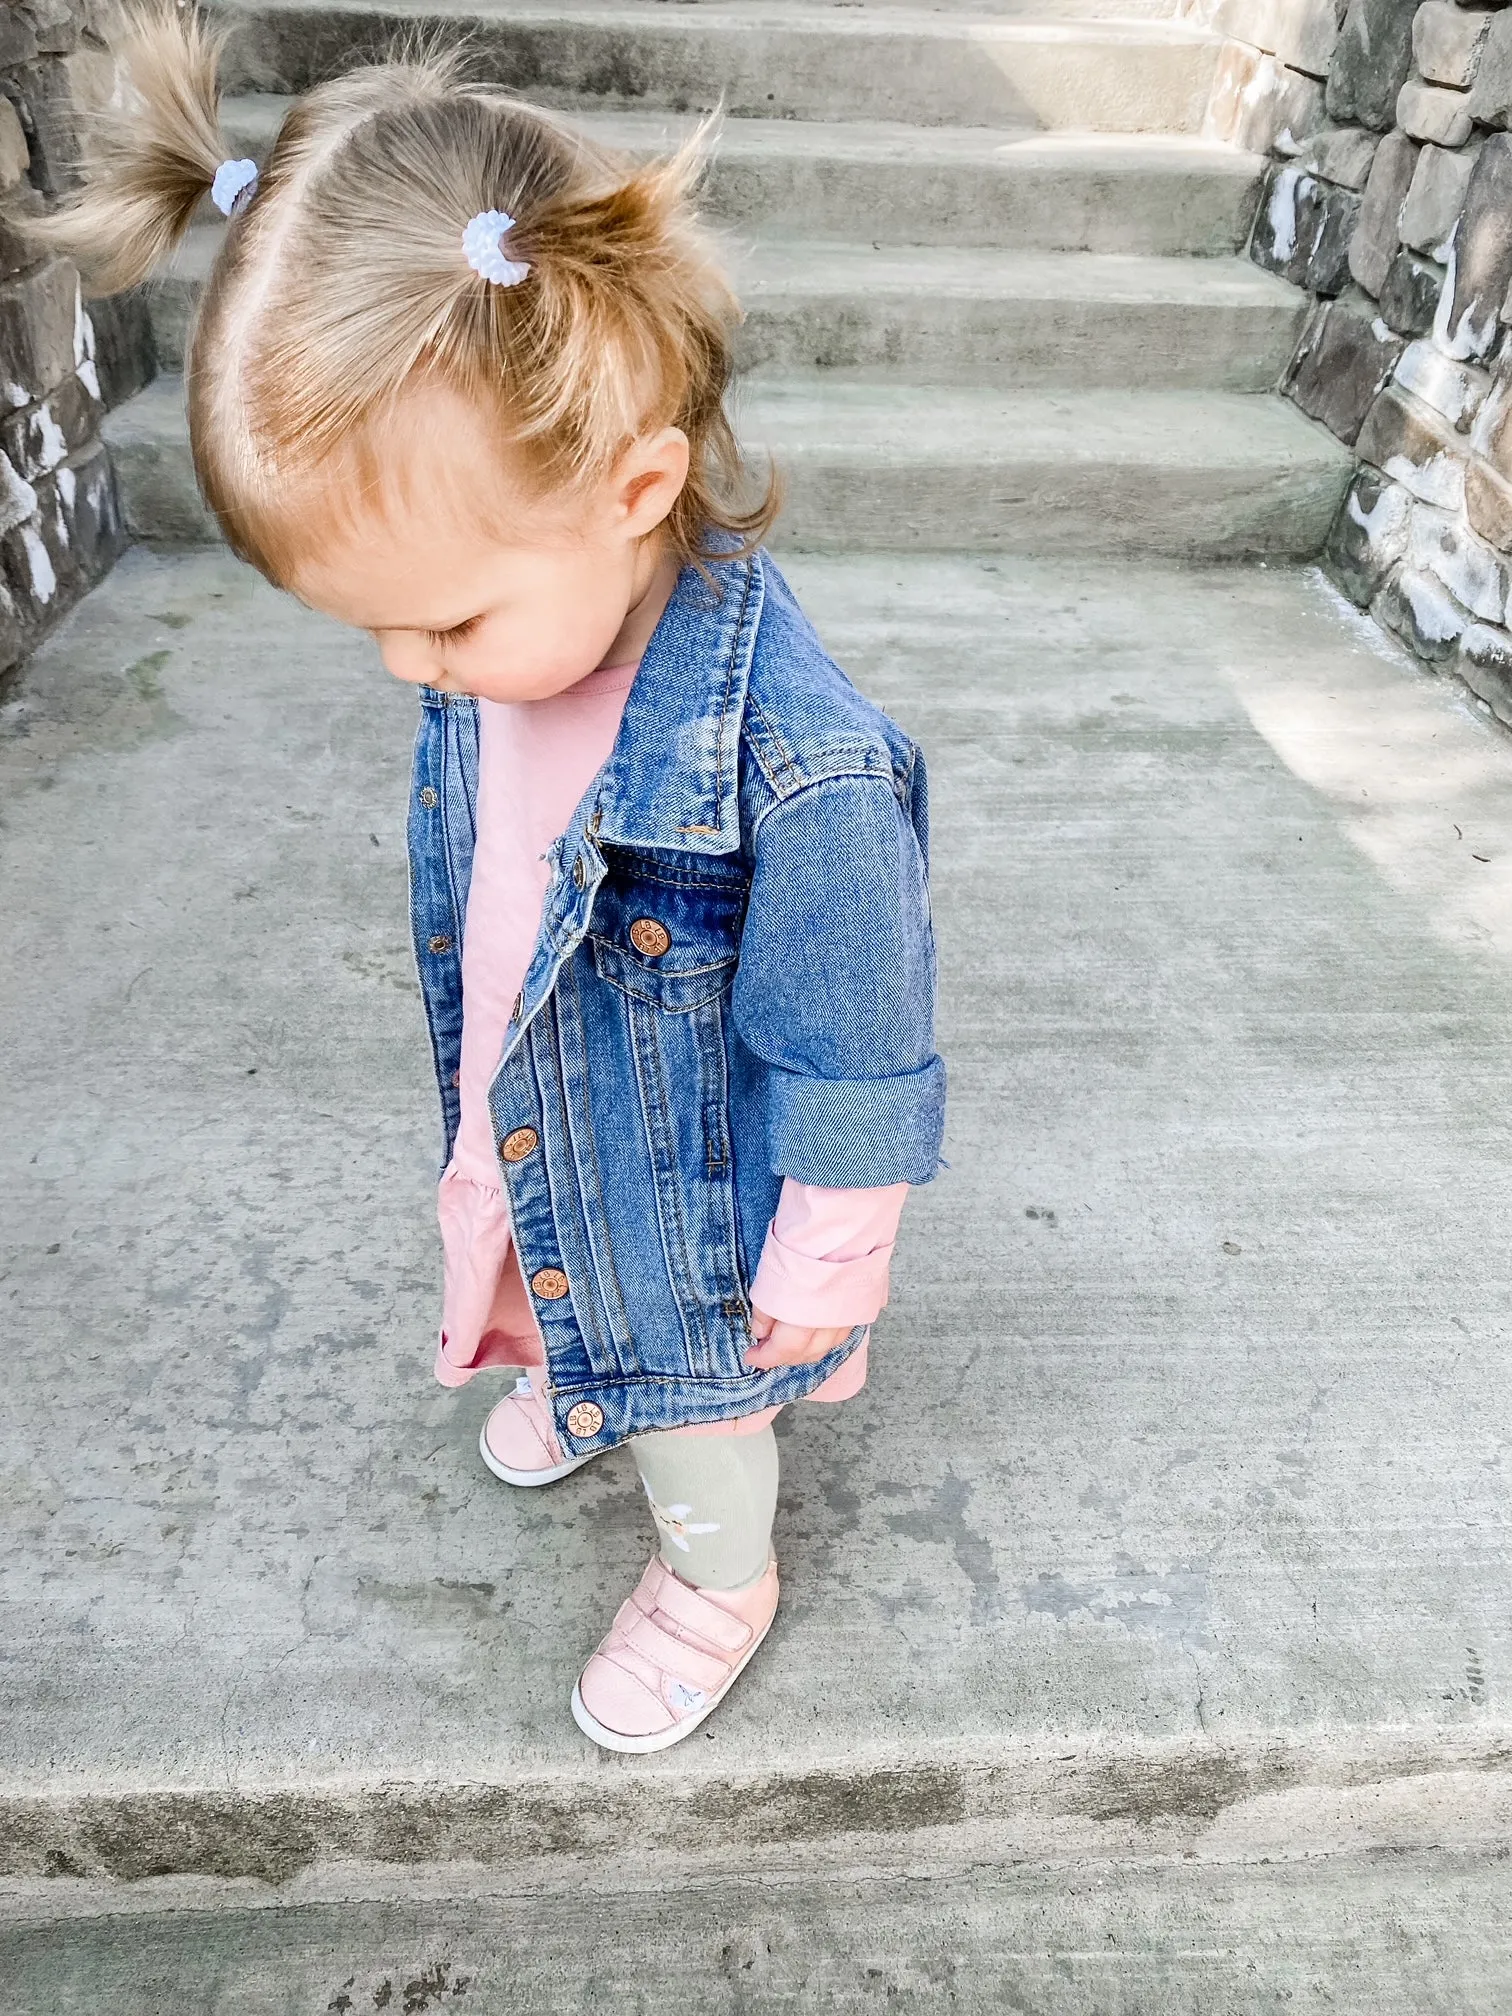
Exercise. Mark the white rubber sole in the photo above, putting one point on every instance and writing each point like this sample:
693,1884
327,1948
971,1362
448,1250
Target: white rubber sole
641,1746
528,1480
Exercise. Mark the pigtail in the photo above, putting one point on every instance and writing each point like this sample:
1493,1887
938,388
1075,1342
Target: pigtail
631,305
150,165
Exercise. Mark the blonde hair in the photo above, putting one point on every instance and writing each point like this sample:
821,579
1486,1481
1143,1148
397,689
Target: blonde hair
343,283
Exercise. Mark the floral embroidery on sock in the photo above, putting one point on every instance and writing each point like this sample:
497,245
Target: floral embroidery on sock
677,1521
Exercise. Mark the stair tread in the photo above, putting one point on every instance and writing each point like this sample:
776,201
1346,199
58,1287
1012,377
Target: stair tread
254,117
863,139
772,268
910,423
737,17
1179,987
866,181
963,425
1123,74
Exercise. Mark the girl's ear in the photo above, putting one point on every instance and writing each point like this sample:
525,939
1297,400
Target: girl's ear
648,479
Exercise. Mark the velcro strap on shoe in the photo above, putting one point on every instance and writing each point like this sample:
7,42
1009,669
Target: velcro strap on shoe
675,1656
694,1611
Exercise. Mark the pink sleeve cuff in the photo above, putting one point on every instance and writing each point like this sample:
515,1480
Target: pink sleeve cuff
819,1293
450,1374
827,1254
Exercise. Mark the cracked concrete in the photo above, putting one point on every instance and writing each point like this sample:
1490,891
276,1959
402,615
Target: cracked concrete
1174,1519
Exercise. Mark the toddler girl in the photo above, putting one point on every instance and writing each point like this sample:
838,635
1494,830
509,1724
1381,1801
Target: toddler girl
457,379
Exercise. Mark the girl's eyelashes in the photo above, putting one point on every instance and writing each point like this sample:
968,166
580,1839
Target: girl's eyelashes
458,634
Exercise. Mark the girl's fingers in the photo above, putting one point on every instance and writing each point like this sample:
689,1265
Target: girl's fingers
777,1340
792,1344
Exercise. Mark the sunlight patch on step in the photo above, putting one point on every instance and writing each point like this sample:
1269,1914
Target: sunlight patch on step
1117,76
1420,779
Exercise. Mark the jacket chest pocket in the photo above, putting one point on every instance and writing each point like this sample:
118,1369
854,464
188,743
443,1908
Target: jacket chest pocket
667,940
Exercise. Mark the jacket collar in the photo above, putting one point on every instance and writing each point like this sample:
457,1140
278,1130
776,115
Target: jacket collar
672,776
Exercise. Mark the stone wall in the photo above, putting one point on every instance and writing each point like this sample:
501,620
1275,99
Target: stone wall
1390,201
60,366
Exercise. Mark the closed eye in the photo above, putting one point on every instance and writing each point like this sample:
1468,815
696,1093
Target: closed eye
456,635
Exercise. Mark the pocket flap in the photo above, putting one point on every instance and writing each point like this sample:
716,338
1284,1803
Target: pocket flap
677,990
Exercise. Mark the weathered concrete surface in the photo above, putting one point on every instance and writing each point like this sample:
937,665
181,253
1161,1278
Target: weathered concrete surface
1189,475
791,60
868,464
1158,193
1409,1935
953,315
956,316
1175,1518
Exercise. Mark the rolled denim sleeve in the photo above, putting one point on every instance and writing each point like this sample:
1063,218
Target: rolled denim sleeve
835,988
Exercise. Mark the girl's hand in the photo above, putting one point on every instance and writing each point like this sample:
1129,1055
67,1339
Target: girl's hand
789,1343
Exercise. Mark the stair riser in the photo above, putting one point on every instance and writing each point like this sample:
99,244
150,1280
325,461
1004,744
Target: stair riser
921,77
834,506
1012,203
159,496
1026,343
1090,508
1021,10
1027,205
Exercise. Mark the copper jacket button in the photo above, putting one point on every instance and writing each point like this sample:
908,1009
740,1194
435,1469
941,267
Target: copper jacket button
647,936
519,1003
585,1419
550,1283
517,1145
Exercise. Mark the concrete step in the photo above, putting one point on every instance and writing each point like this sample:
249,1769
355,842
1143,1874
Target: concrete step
1410,1932
1199,475
774,62
1029,320
1131,1657
901,185
1029,10
1202,475
961,317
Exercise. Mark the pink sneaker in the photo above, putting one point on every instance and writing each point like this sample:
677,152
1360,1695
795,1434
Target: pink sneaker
519,1443
672,1654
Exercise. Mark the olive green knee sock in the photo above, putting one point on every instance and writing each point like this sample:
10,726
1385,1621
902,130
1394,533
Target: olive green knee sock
713,1498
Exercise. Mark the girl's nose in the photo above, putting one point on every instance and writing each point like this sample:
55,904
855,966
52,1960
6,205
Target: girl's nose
408,656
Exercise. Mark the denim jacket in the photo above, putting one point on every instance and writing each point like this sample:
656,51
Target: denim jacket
733,982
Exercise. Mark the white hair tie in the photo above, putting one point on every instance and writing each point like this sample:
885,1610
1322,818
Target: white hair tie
483,242
234,186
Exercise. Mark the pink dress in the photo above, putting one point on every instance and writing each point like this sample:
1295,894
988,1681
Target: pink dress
826,1257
